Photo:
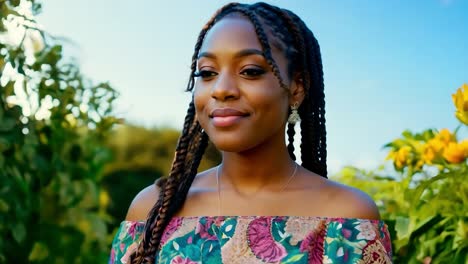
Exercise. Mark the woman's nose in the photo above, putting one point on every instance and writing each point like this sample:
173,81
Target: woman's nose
225,87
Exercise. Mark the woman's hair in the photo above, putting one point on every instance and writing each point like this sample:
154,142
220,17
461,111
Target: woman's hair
301,48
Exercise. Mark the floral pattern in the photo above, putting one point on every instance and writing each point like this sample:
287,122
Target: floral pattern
262,243
261,239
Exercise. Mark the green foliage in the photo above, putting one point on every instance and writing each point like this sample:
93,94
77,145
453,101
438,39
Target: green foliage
52,124
425,207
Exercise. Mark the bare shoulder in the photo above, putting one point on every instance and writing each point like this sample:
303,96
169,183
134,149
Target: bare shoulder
143,203
350,202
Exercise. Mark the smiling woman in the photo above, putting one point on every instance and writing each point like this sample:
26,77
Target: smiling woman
255,69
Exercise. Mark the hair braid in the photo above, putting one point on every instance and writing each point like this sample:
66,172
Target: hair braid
200,147
296,62
172,202
142,254
313,129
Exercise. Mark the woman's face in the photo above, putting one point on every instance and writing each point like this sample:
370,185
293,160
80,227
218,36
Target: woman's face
238,100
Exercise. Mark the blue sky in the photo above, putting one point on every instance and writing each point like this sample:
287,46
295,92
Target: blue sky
388,65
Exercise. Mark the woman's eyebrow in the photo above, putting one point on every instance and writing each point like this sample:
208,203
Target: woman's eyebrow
207,55
239,54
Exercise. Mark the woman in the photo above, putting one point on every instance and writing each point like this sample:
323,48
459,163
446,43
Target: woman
256,70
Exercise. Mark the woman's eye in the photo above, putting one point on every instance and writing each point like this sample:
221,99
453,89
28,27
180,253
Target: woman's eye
252,72
204,74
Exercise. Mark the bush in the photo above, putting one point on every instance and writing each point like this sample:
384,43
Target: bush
53,122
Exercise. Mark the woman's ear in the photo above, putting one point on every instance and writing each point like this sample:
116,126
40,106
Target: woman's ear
297,92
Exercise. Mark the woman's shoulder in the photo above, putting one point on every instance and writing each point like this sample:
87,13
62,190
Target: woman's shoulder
143,203
349,202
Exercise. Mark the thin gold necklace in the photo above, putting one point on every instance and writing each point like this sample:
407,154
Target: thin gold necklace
218,185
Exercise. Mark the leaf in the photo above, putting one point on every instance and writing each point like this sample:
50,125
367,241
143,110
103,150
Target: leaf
401,227
19,232
4,206
175,245
423,227
416,195
294,258
407,134
461,234
39,252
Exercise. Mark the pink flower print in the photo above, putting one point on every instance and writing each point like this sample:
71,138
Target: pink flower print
261,241
173,225
180,260
203,227
112,257
132,230
346,233
313,244
366,231
219,220
340,220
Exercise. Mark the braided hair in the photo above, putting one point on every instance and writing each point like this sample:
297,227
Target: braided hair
303,53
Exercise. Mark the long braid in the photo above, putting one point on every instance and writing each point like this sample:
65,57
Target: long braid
196,150
313,129
184,187
142,253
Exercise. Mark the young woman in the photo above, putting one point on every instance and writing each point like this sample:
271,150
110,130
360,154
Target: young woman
256,71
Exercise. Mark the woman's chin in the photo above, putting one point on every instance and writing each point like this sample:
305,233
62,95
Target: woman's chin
231,145
226,147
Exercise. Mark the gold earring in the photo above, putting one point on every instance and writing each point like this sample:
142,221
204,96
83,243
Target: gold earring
294,116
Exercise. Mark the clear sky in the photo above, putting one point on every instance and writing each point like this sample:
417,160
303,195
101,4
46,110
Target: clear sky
388,65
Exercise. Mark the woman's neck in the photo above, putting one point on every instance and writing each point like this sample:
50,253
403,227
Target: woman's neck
268,165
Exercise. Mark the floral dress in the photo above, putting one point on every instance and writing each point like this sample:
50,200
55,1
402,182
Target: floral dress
261,239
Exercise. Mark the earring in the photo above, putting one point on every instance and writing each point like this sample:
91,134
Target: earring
294,115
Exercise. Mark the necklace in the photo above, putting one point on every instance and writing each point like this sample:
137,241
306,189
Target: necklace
218,180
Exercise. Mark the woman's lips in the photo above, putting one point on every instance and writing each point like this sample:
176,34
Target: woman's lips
225,121
224,117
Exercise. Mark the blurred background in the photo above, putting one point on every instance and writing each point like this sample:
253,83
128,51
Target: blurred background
92,100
